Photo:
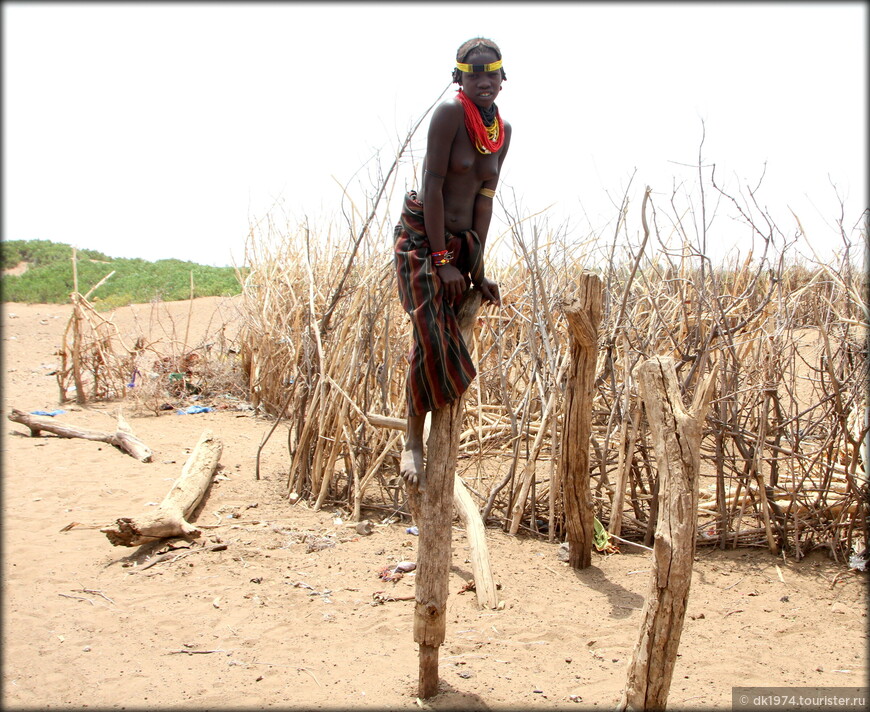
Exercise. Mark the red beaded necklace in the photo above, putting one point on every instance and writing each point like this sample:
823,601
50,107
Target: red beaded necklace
486,139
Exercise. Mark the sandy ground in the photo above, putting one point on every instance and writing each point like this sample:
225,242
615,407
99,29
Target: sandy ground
285,615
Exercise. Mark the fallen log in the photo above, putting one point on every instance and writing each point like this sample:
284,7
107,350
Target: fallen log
122,438
170,517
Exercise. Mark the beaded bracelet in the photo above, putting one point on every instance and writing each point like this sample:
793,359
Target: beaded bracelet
441,258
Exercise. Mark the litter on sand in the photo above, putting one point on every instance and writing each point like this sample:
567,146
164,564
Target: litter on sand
194,409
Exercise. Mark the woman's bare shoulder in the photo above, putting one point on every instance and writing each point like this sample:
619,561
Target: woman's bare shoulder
448,109
446,120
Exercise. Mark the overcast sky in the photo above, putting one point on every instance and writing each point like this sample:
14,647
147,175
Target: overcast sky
167,130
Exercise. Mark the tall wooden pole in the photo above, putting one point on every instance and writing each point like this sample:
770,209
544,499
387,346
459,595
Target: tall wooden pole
433,511
583,314
676,435
76,298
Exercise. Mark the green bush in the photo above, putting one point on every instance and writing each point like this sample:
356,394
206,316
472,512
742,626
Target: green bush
49,277
41,252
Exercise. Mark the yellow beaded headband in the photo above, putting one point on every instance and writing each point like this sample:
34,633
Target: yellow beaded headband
491,67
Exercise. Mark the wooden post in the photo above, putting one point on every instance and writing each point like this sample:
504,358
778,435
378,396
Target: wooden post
433,511
583,314
76,318
676,435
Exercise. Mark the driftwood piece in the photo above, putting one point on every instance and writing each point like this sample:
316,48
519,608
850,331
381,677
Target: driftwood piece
484,583
170,517
433,511
676,435
583,315
122,438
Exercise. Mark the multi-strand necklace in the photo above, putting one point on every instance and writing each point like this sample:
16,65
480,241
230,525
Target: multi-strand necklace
485,127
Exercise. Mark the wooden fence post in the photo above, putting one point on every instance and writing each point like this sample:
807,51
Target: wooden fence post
583,314
433,511
676,435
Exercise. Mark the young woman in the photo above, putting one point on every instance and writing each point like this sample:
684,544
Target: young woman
441,237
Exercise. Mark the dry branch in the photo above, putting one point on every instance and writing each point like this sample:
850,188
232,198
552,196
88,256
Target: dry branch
170,517
122,438
484,584
485,587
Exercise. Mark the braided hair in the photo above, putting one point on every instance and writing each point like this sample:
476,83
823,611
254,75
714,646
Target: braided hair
468,48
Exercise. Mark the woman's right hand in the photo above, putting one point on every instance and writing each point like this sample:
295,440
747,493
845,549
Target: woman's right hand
452,282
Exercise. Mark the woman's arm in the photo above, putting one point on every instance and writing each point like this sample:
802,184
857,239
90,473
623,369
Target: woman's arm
483,203
442,132
446,121
483,217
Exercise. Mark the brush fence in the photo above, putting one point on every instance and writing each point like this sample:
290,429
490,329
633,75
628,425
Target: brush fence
782,456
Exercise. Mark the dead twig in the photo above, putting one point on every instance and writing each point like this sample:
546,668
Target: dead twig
78,598
172,556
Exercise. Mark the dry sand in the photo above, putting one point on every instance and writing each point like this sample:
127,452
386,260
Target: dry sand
275,621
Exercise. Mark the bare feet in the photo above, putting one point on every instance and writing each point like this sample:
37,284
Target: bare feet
411,468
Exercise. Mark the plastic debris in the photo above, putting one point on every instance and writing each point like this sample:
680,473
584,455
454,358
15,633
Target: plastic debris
858,561
50,413
194,409
395,573
601,538
412,530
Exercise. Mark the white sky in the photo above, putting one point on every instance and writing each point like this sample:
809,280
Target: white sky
165,130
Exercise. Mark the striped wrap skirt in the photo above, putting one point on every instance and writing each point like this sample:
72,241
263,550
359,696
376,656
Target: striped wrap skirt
440,366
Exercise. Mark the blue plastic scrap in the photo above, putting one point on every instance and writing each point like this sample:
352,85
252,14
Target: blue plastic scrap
193,409
51,413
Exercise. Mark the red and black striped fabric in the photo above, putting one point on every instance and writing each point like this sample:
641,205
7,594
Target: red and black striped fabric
440,366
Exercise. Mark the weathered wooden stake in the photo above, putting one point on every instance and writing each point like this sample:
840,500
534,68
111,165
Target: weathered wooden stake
583,314
433,511
676,435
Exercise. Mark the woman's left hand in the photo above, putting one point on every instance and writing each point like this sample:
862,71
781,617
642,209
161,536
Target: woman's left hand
489,290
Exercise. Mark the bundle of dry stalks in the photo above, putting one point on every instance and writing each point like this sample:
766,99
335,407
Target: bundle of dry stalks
324,340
